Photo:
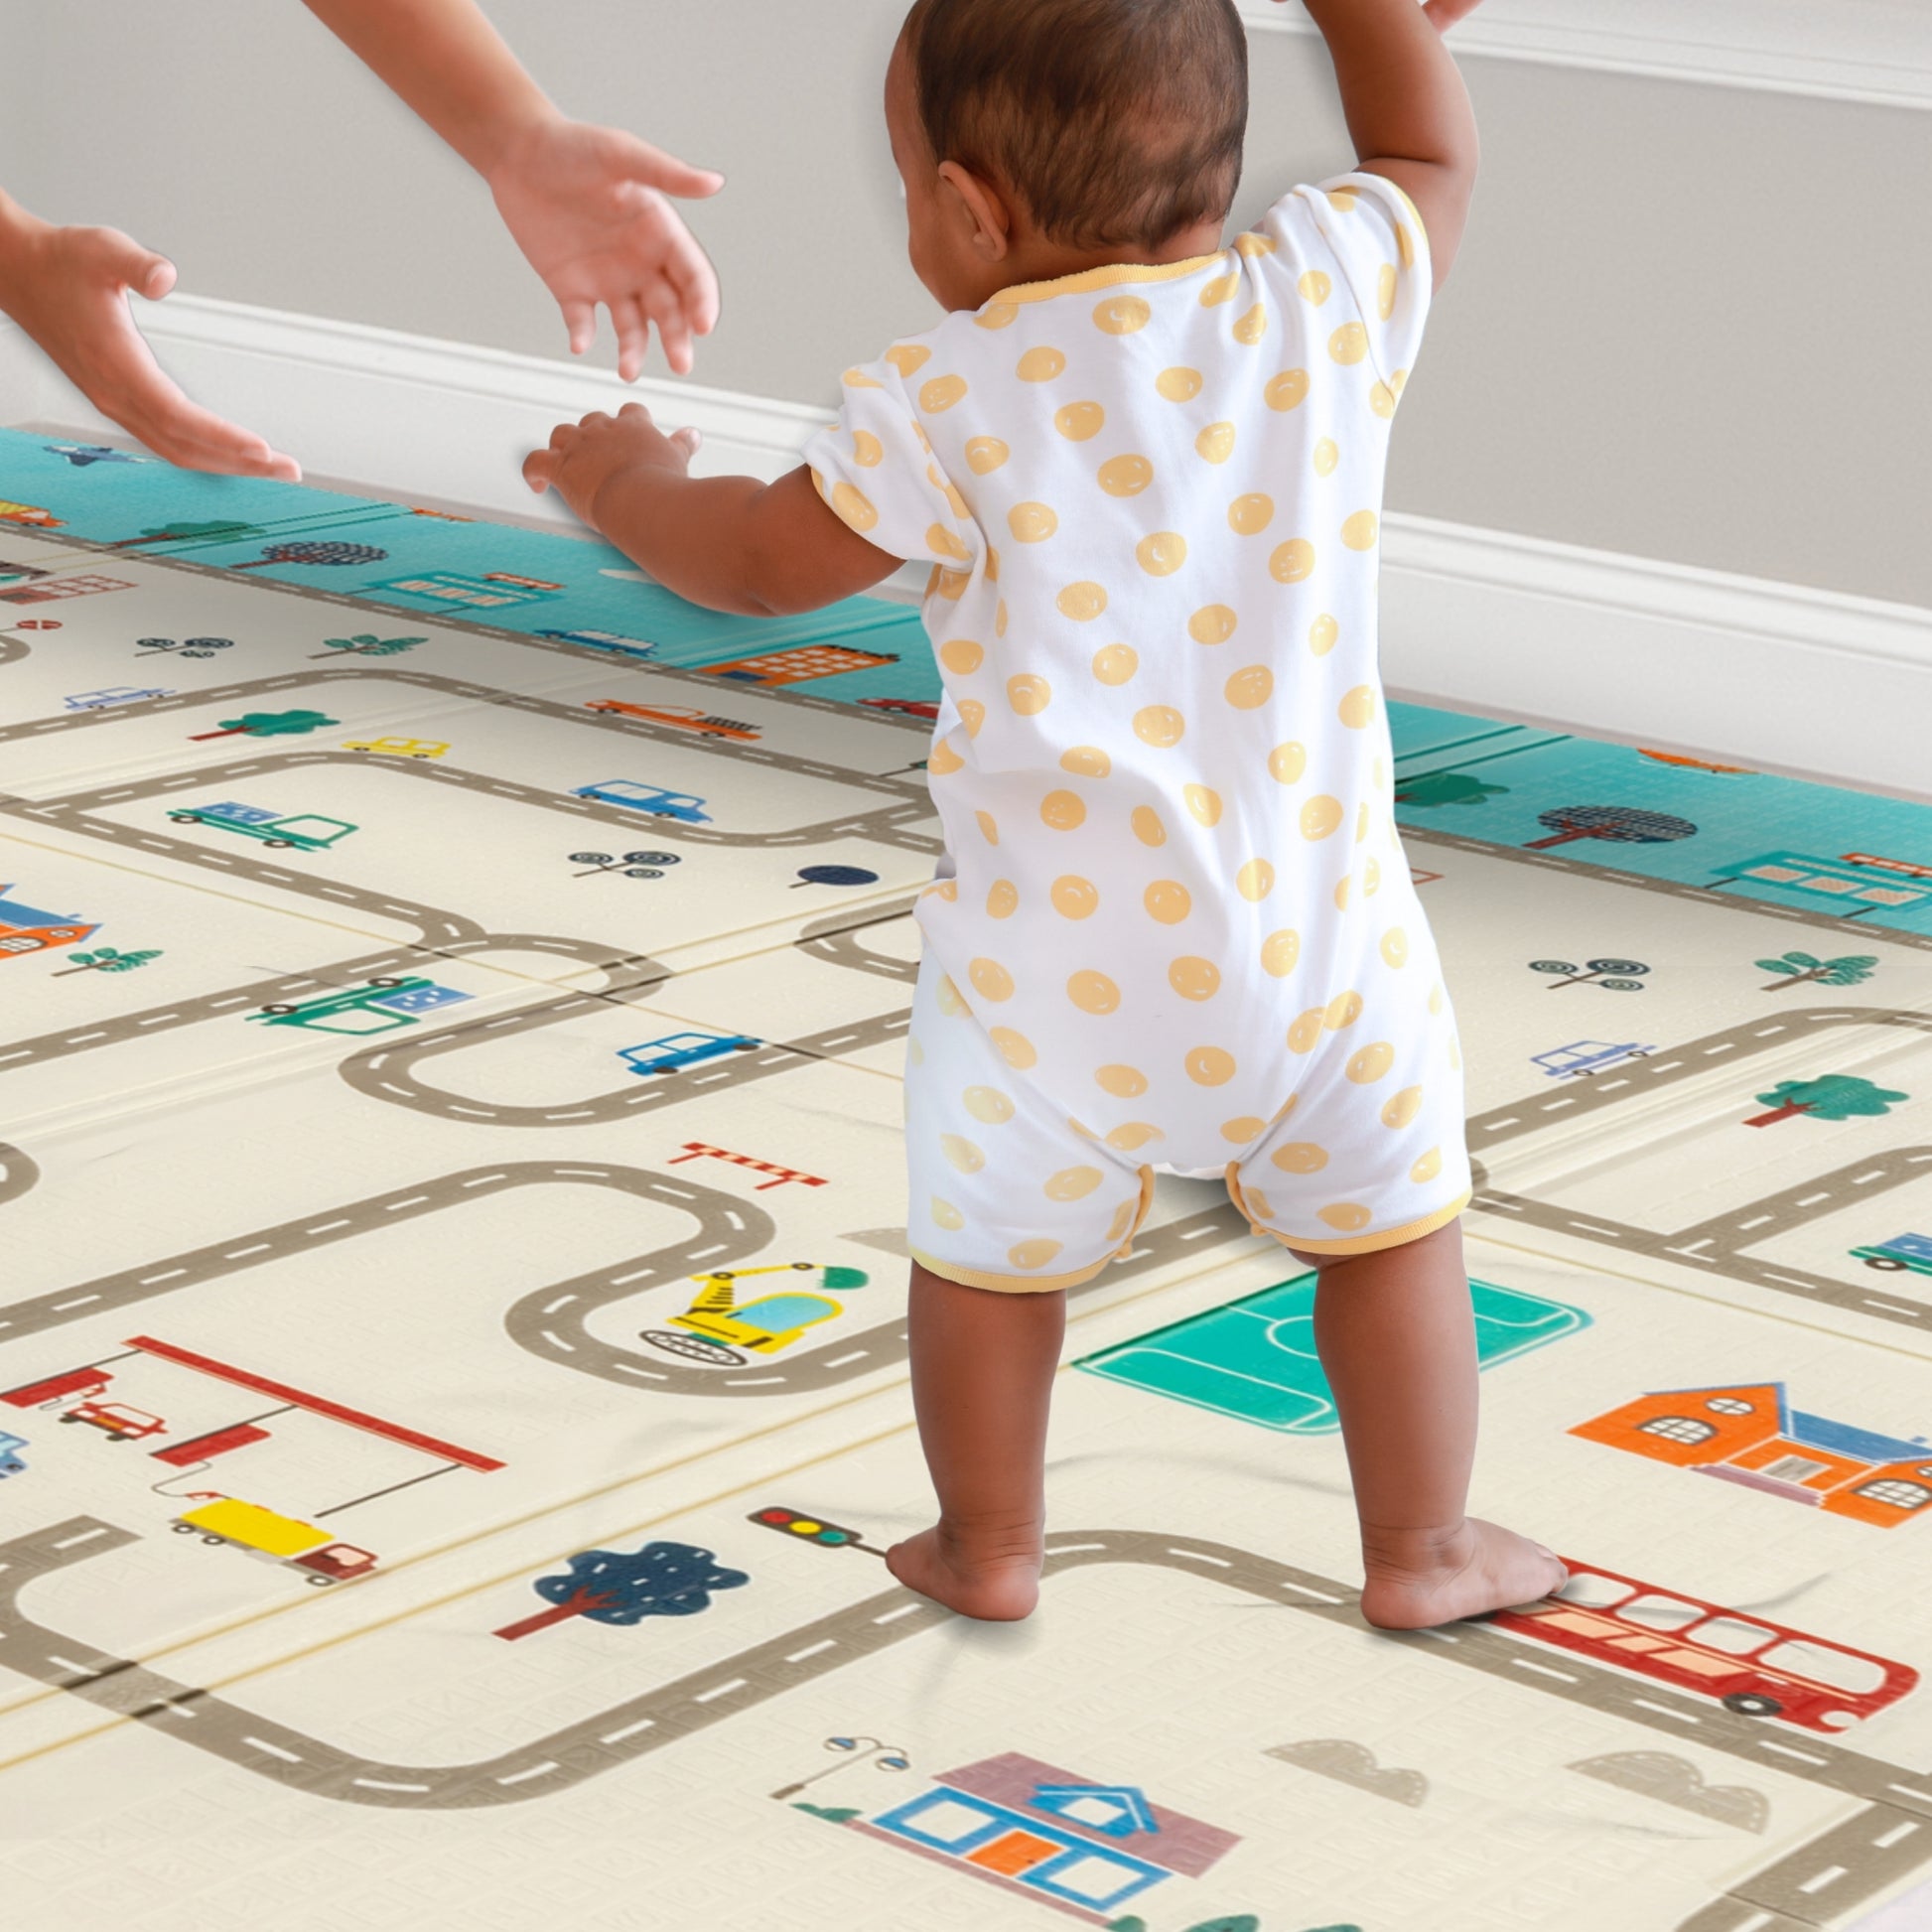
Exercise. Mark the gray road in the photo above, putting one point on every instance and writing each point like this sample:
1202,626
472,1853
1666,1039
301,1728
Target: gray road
837,940
889,824
1576,1099
1859,1862
551,1322
1819,921
1717,1243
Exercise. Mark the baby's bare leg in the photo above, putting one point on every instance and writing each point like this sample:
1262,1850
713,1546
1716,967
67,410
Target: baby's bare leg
983,1366
1397,1345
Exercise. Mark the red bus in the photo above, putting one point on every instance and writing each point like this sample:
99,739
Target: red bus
1750,1665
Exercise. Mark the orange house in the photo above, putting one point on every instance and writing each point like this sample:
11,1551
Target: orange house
1748,1433
25,928
801,663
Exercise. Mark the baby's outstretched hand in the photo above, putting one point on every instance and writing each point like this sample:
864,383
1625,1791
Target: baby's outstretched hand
581,457
586,205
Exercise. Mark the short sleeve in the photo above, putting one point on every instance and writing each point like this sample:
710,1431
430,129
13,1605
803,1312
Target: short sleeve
1366,226
875,467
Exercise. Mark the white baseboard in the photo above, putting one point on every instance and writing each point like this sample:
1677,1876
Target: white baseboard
1741,670
1876,52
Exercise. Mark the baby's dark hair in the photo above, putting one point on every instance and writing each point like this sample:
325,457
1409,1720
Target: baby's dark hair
1116,122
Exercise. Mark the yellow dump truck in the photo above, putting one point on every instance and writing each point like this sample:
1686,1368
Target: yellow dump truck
282,1538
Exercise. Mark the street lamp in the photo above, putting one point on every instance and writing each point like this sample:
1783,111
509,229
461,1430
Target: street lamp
854,1751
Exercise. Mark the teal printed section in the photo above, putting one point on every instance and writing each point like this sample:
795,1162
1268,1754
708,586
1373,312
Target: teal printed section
1255,1359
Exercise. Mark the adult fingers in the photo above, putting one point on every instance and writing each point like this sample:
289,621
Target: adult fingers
148,404
633,334
580,319
690,272
666,171
666,308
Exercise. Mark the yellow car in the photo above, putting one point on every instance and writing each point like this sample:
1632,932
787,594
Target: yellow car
401,748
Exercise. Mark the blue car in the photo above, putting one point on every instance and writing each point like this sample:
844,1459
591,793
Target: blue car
676,1051
639,798
10,1447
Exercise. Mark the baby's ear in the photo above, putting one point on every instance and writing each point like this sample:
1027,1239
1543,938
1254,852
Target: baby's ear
984,206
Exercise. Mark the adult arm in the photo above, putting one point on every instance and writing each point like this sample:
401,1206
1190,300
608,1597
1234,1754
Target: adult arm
585,204
68,288
1408,112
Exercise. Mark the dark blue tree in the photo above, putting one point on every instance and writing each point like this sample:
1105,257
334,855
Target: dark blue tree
613,1587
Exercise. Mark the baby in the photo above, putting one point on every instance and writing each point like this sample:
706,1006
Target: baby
1172,930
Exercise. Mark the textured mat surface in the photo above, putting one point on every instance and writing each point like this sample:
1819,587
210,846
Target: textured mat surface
452,1351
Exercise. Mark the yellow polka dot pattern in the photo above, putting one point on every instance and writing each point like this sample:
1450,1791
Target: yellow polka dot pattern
1040,365
991,980
961,656
988,1104
1029,695
1195,978
1079,421
1126,476
1087,762
1075,898
1178,385
1216,444
984,454
1209,1066
1250,687
1064,811
1168,901
1123,1082
1081,602
1163,553
1122,314
1093,992
941,393
1249,515
1115,664
1147,825
1032,522
1212,624
1159,725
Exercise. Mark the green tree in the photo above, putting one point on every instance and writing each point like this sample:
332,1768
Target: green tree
105,959
365,643
1432,789
1834,1096
268,724
1799,967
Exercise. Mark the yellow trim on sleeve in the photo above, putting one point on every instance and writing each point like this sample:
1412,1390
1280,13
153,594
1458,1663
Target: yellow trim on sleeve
1368,1244
1111,276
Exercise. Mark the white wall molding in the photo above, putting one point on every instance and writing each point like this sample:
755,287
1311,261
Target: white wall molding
1879,52
1742,670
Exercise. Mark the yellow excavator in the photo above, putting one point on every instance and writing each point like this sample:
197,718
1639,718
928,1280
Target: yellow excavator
720,1331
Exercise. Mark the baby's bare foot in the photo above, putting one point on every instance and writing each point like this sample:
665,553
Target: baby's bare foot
999,1583
1477,1568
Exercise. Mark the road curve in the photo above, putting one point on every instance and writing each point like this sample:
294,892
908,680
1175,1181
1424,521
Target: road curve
647,1722
17,1173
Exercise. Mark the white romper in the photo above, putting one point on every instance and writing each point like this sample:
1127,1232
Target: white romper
1174,928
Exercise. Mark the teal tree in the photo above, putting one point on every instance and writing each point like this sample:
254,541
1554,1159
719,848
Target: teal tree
1832,1096
1798,968
1429,789
105,959
611,1586
365,643
268,724
228,531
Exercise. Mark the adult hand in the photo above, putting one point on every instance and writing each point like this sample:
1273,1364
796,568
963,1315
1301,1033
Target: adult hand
586,205
69,289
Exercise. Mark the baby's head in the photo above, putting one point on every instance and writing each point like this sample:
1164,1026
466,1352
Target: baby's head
1039,137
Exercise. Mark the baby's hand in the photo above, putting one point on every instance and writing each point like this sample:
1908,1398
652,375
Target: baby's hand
583,456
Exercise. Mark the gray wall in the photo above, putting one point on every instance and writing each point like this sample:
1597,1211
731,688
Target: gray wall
1687,322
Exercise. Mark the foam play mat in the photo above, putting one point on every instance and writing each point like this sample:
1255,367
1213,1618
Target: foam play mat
453,1389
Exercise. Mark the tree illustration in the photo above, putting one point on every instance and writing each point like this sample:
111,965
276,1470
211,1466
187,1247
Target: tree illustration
1799,967
1429,789
173,532
105,959
187,646
1834,1096
314,554
268,724
1620,824
366,645
1623,973
610,1587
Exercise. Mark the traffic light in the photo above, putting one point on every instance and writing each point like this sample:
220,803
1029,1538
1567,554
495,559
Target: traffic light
812,1529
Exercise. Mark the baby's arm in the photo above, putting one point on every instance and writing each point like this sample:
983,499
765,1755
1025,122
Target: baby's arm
729,543
1408,110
